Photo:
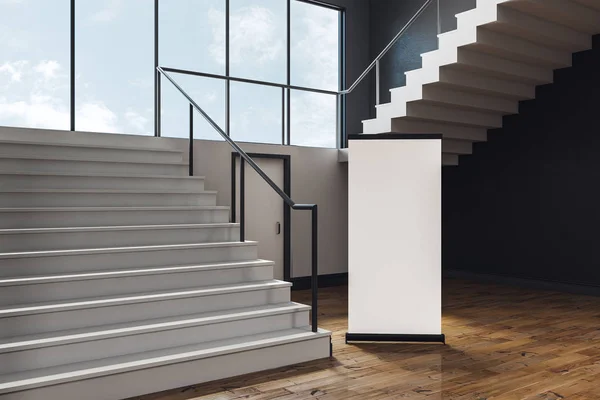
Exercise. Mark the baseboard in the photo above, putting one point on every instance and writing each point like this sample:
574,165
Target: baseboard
529,283
331,280
401,338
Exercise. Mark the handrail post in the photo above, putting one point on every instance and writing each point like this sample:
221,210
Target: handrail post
242,200
377,85
191,149
315,270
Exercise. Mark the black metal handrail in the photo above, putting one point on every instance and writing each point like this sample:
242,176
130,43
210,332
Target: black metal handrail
245,158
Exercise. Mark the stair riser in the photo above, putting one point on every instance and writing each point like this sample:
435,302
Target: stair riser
72,290
117,346
88,317
134,383
446,114
88,153
447,130
34,165
97,182
116,238
54,219
46,265
54,199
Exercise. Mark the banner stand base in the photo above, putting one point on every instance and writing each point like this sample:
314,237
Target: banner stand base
400,338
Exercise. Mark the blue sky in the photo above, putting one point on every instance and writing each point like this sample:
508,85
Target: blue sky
115,56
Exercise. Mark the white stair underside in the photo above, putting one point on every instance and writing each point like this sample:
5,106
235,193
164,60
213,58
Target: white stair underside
496,57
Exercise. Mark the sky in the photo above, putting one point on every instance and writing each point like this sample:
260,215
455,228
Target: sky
115,59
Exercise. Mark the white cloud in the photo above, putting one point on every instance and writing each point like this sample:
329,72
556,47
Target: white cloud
137,121
108,13
9,2
48,69
96,117
253,35
14,69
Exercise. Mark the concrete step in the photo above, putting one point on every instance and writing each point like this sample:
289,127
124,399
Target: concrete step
481,63
449,160
38,239
506,46
448,97
460,80
88,151
440,113
77,285
35,263
88,344
15,179
451,146
35,319
594,4
56,217
82,166
104,198
572,14
148,372
407,125
504,19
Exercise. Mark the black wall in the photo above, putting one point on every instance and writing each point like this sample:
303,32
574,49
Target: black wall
527,202
388,17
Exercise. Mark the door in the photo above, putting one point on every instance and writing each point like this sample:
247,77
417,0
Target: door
264,210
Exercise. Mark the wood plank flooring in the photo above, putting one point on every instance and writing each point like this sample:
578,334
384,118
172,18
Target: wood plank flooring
503,343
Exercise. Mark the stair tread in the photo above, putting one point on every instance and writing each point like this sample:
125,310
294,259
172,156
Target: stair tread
114,365
139,327
100,175
99,209
58,306
89,145
55,158
116,228
130,191
46,253
39,279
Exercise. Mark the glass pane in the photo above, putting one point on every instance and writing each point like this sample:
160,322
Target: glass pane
256,113
115,66
313,119
208,93
34,63
315,46
192,35
258,33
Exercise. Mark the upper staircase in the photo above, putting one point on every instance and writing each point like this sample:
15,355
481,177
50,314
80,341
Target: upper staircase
119,274
500,52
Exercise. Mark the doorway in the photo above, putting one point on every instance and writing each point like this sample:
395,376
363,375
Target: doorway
267,217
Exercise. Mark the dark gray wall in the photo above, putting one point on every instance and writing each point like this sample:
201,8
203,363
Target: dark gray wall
388,17
527,202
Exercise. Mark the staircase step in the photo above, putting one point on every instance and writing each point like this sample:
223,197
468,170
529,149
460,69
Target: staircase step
126,376
105,198
35,263
594,4
510,21
74,180
50,163
451,146
506,46
18,218
49,288
88,344
454,78
34,319
90,152
407,125
39,239
449,160
565,12
443,96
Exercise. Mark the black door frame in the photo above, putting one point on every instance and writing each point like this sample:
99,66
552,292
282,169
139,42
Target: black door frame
287,188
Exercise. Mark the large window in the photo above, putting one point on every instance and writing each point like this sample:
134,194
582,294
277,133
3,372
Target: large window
114,66
34,63
236,58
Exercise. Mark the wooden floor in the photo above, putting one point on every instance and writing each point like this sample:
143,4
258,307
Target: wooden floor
502,343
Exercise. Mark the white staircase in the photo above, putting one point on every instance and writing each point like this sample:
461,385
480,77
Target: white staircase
498,54
120,276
